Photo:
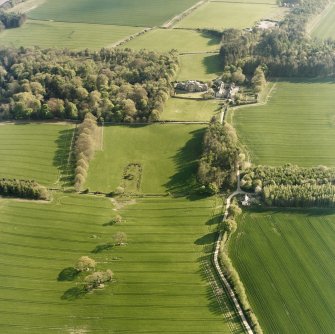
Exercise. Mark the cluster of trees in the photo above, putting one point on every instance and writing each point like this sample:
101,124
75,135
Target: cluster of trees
285,50
231,73
10,4
219,161
258,80
84,148
11,20
115,85
23,189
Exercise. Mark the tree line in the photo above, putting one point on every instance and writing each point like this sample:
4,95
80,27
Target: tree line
10,4
27,189
11,20
115,85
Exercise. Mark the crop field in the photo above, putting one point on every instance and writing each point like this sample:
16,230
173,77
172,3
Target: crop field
145,13
199,67
65,35
220,15
159,285
181,40
326,27
295,126
190,110
286,262
167,155
34,151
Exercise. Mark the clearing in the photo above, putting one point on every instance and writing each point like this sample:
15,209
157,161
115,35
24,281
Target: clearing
286,261
295,126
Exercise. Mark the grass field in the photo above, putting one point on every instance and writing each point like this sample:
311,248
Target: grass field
167,154
65,35
159,287
167,39
126,12
220,15
34,151
199,67
326,27
297,125
190,110
286,262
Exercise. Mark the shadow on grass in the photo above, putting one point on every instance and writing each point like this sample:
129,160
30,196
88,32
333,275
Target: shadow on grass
207,239
111,223
183,182
212,40
68,274
103,247
213,64
214,220
74,293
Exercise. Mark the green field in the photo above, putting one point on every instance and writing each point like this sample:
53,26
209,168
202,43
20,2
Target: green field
65,35
220,15
167,154
160,285
34,151
286,262
326,27
144,13
199,67
190,110
181,40
296,126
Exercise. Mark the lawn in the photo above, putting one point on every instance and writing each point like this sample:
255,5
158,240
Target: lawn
126,12
199,67
286,262
221,15
167,155
326,26
181,40
65,35
160,285
190,110
297,125
34,151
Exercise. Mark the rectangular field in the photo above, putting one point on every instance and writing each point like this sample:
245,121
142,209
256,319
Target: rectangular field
297,125
145,13
159,283
76,36
34,151
286,261
221,15
326,27
168,39
167,155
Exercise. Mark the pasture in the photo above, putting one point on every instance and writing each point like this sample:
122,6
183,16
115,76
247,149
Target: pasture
190,110
167,155
159,284
145,13
295,126
326,27
221,15
163,40
78,36
34,151
286,261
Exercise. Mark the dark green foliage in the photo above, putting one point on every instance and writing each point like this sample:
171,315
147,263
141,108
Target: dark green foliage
23,189
12,20
115,85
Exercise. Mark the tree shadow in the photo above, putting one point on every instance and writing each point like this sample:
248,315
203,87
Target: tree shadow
207,239
64,160
68,274
110,223
213,64
102,247
212,39
183,182
214,220
74,293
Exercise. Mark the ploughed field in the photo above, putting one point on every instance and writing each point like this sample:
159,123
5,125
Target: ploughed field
297,125
159,286
286,261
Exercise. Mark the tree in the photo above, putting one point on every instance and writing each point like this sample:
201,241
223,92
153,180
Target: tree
85,263
120,238
97,278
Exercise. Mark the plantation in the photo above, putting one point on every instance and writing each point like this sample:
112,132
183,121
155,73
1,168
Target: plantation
145,13
285,260
76,36
296,125
34,151
158,275
167,155
326,27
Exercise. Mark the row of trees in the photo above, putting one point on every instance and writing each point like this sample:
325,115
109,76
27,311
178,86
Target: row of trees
10,4
11,20
86,142
23,189
115,85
